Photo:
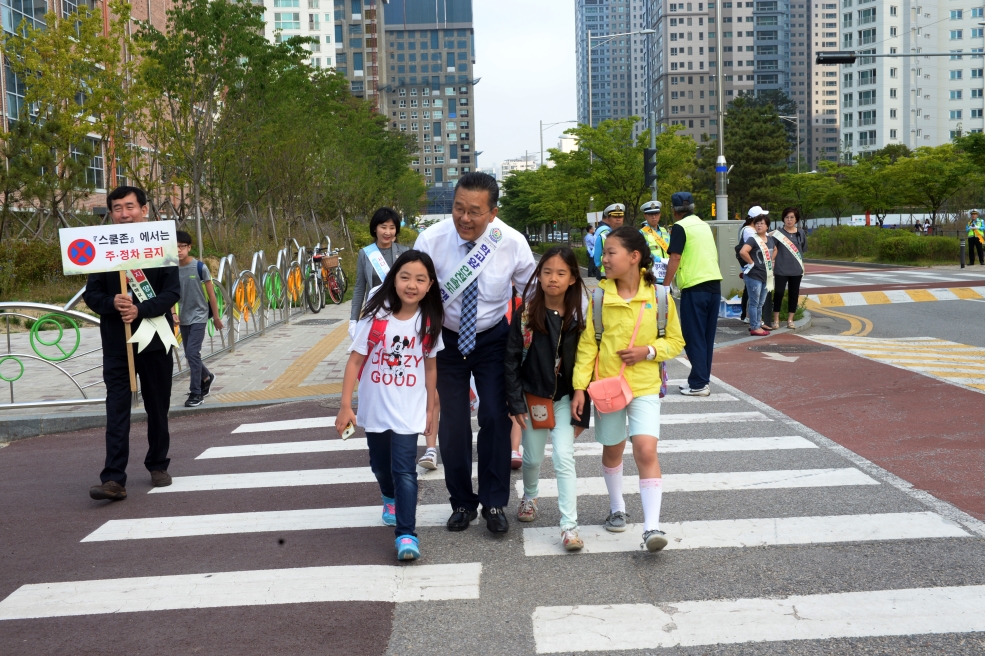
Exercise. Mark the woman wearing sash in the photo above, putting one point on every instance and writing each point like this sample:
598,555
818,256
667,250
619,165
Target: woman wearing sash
759,253
374,262
792,244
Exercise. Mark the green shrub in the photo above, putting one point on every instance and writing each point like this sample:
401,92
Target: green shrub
24,262
859,242
580,252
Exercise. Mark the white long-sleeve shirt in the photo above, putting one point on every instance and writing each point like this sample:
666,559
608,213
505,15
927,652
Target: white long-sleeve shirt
512,262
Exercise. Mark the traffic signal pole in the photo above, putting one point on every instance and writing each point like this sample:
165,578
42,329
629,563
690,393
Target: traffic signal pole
653,146
722,200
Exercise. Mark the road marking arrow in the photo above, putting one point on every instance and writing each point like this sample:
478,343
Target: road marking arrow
780,358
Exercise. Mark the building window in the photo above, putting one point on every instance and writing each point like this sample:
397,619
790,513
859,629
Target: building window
955,35
847,120
977,73
287,21
955,75
893,93
955,14
893,134
867,118
955,94
975,113
867,98
955,115
286,3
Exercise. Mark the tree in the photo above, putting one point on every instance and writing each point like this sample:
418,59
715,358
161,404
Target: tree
522,190
933,175
836,194
806,191
875,185
893,152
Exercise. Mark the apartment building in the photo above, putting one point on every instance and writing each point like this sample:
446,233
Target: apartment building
310,18
823,83
619,70
915,101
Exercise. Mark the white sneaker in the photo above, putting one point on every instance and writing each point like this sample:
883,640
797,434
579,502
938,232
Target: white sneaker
697,392
683,387
429,460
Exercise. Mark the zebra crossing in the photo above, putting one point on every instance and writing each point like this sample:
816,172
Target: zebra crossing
819,547
891,277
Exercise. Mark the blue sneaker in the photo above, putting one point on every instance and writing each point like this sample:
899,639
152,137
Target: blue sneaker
407,548
389,518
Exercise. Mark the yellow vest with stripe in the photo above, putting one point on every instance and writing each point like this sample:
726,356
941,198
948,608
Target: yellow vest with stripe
700,259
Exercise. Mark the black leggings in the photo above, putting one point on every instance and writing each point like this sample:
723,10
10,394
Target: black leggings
794,287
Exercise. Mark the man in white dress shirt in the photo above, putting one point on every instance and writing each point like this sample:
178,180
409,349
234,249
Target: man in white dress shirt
475,336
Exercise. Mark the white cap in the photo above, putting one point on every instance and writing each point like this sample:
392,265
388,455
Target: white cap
615,207
756,211
651,207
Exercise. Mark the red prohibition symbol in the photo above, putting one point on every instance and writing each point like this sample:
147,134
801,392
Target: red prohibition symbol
81,252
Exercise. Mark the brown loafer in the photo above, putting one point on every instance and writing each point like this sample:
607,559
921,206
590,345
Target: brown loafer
160,478
109,491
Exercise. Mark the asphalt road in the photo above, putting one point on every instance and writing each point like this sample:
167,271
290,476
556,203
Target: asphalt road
956,321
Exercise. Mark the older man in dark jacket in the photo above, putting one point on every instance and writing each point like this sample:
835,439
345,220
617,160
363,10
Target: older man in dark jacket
115,308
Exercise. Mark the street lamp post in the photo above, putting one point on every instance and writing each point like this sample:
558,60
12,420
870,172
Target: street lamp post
722,199
797,136
543,127
588,56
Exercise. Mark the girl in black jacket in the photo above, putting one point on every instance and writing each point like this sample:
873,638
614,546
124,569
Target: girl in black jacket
540,357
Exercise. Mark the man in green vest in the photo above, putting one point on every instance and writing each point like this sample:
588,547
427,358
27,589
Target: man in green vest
974,237
695,261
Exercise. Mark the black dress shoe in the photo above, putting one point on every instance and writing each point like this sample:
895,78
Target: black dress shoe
496,520
459,521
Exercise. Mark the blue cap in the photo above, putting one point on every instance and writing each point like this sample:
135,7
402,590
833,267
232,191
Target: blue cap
681,198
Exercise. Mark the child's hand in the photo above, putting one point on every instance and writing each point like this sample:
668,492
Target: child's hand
520,420
632,356
343,419
578,402
218,323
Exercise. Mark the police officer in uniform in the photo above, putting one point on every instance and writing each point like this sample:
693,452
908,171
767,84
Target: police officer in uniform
974,237
612,219
116,307
658,238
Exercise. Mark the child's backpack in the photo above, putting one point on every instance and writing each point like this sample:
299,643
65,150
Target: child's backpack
378,331
202,279
661,296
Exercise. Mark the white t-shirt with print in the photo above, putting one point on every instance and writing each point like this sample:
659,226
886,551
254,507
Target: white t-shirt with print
392,393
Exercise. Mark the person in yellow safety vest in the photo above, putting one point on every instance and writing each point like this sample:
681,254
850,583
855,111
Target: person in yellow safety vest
974,237
612,219
657,237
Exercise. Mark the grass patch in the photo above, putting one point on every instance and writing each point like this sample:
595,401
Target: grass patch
872,244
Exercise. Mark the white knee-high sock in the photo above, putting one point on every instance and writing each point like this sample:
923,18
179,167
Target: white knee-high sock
614,484
650,497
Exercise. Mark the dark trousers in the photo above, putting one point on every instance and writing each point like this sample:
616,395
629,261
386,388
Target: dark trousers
699,317
455,427
192,337
974,246
393,460
154,369
793,284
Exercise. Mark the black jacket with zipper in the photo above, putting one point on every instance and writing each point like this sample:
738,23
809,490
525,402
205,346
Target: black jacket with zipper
536,375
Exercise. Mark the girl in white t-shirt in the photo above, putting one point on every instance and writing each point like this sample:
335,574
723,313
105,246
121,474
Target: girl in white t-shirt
393,358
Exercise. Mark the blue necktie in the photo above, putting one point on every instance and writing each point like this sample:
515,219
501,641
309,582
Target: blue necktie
467,320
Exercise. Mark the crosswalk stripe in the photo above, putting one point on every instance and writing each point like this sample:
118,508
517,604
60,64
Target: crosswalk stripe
287,424
708,482
614,627
706,445
759,532
245,588
313,519
711,398
849,299
920,295
301,477
710,418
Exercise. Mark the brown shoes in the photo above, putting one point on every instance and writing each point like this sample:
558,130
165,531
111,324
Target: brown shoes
160,478
110,490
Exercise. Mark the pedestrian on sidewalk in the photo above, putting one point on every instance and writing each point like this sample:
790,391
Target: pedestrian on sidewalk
746,231
374,261
612,219
759,253
197,306
792,244
476,257
623,339
540,361
974,237
590,248
153,365
393,357
694,259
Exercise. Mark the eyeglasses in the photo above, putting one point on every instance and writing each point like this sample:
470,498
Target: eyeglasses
184,245
472,215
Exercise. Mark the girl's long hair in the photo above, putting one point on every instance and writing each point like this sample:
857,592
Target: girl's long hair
631,239
534,295
387,299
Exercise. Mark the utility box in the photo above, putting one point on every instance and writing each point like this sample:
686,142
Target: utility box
726,234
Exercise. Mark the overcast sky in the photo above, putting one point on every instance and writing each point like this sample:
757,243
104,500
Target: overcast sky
525,55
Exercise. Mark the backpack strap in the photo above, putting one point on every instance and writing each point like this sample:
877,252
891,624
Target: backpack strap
200,264
597,313
378,331
661,292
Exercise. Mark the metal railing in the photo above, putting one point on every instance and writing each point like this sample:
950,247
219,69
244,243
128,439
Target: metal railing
249,302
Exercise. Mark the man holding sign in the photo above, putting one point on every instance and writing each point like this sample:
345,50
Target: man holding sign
145,310
477,257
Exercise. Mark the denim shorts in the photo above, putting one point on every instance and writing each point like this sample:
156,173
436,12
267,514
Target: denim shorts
644,414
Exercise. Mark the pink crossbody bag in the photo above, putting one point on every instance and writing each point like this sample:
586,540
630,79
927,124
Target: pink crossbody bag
614,393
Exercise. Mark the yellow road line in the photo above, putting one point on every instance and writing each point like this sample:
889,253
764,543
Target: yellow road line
920,295
976,385
299,370
858,326
875,298
966,293
831,300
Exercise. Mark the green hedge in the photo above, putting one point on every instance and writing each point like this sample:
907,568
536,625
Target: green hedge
879,244
580,252
24,262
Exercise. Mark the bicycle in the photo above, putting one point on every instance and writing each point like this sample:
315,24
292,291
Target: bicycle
333,278
314,287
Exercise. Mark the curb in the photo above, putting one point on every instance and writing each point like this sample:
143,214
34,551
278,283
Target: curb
21,428
801,325
863,265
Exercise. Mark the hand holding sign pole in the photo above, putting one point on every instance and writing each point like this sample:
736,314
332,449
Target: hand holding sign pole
125,247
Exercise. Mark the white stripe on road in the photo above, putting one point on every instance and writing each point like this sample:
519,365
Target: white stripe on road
314,519
706,445
680,398
739,533
288,424
246,588
703,418
336,476
283,448
756,480
616,627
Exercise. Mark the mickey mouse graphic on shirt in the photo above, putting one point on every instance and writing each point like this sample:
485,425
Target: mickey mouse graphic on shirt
394,359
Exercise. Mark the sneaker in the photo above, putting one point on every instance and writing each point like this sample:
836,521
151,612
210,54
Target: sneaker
430,459
516,460
389,518
110,491
654,540
684,387
160,478
194,400
207,385
745,319
571,541
407,548
528,510
616,522
704,391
